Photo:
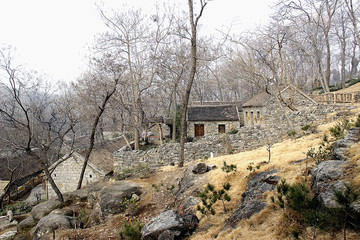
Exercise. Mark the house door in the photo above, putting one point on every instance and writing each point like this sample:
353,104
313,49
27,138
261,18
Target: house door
199,130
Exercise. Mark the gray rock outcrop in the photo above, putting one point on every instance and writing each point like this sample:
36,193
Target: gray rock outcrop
26,224
48,224
111,197
200,168
44,208
327,177
340,146
169,225
253,201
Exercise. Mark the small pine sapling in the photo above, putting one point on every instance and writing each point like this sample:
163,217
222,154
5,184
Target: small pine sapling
229,168
223,195
252,168
210,195
208,198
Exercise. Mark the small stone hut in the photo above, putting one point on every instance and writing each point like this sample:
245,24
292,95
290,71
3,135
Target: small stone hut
101,162
281,107
212,120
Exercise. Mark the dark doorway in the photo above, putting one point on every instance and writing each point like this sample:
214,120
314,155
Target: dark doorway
199,130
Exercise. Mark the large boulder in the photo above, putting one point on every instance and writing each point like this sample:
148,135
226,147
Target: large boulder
50,223
190,184
340,146
5,223
169,225
26,224
83,193
253,201
44,208
325,181
199,168
110,198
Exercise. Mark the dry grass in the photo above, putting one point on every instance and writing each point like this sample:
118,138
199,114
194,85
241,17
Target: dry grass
353,88
270,223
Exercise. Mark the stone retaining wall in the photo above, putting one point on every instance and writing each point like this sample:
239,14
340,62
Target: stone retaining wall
247,138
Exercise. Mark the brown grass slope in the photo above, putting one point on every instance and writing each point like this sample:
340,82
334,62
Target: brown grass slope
270,223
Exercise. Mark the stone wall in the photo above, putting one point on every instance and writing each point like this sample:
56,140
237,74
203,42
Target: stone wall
212,128
217,145
248,138
66,175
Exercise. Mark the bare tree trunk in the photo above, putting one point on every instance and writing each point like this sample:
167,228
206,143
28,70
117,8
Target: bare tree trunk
193,24
93,131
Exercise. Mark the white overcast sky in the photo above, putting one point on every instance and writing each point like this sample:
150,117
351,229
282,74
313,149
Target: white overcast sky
53,36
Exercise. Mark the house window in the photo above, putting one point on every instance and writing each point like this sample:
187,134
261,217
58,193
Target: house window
258,116
221,128
90,176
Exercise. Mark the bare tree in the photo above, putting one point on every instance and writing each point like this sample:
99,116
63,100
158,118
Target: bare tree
194,21
32,118
102,82
138,42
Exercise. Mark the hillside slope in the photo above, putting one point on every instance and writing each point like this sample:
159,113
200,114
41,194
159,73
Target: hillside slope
268,224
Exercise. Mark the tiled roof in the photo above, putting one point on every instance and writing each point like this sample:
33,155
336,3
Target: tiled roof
213,113
258,100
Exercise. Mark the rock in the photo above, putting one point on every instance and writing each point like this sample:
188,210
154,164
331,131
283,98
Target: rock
44,208
8,235
37,194
5,223
111,197
326,172
10,215
83,193
189,185
63,211
169,225
168,220
199,168
327,196
95,216
211,167
252,201
50,223
325,181
340,146
26,224
189,204
168,235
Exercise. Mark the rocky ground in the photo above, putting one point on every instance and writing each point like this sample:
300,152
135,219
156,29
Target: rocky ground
166,200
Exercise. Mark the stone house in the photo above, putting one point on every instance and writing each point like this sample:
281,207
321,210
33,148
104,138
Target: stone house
286,107
101,162
212,120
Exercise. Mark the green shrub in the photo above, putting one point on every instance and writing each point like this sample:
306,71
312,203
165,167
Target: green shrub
338,131
300,199
291,133
17,208
229,168
252,168
190,139
233,131
131,230
308,128
357,122
210,195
